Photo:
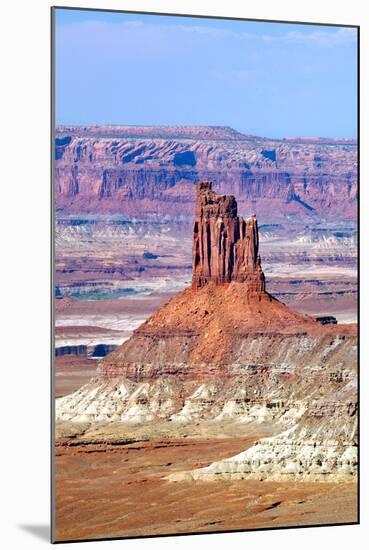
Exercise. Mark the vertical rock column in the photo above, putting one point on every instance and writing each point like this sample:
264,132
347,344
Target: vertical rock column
225,247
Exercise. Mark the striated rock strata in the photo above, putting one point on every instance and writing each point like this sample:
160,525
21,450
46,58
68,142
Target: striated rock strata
319,442
225,351
141,171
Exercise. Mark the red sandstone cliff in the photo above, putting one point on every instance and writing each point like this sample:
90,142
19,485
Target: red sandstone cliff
140,171
225,247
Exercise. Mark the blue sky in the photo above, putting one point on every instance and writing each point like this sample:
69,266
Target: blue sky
268,79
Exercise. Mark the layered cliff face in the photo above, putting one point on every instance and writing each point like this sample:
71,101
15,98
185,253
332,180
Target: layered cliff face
141,171
271,376
301,387
225,351
225,247
321,446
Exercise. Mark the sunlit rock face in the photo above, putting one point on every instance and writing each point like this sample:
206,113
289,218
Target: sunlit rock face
138,171
225,246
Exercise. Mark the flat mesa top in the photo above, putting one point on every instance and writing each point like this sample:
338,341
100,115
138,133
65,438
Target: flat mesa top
221,133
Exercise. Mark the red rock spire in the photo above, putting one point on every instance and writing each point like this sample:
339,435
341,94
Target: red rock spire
225,247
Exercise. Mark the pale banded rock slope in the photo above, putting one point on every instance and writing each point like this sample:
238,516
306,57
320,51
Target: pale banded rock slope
272,378
321,445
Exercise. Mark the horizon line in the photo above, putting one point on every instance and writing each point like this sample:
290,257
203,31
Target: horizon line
224,126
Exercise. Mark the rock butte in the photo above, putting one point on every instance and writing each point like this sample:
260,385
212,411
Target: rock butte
226,303
225,247
225,350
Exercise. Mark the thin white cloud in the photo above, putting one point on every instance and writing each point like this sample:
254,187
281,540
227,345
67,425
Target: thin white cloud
327,38
137,36
134,37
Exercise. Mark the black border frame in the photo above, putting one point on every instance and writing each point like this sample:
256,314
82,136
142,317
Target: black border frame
52,271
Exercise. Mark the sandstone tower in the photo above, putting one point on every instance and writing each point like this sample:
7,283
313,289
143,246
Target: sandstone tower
225,246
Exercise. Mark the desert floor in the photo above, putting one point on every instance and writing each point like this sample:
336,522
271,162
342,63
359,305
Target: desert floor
120,490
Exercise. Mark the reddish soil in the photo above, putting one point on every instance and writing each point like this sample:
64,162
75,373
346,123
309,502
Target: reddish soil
221,314
145,305
120,491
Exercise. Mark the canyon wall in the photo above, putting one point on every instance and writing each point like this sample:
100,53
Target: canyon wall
151,171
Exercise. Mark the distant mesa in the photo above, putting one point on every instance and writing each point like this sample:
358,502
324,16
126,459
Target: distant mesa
184,132
161,132
146,171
